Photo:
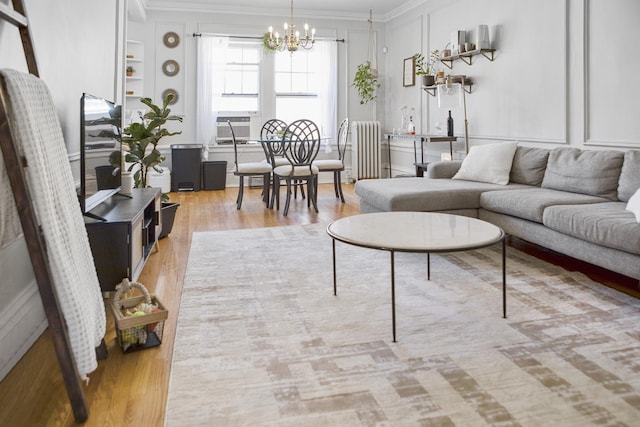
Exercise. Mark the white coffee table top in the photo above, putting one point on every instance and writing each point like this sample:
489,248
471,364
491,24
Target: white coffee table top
415,231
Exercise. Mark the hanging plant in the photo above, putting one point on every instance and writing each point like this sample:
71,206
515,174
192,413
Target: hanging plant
366,82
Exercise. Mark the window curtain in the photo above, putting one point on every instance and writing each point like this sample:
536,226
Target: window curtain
327,50
212,58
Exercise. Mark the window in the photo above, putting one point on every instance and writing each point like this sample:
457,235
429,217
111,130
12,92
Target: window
297,86
235,75
241,77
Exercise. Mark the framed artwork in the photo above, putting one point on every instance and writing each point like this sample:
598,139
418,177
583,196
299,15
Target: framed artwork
171,39
170,67
409,72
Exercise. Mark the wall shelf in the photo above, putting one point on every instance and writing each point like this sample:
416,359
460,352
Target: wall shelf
467,57
431,90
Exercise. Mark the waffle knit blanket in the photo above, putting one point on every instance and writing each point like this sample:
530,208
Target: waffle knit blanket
35,125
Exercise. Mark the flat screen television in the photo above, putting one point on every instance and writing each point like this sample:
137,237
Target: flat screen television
100,124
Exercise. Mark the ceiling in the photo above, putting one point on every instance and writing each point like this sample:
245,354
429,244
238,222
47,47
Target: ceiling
347,9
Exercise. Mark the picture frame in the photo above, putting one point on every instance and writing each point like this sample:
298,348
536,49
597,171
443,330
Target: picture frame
170,67
409,72
171,39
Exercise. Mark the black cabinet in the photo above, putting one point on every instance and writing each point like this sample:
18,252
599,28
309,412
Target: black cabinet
122,232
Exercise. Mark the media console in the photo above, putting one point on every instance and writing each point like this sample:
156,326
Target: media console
122,232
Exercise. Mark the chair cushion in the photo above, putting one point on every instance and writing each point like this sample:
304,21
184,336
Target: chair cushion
285,171
256,168
279,161
328,164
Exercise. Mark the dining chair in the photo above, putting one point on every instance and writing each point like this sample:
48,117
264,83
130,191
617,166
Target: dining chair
262,169
301,142
336,165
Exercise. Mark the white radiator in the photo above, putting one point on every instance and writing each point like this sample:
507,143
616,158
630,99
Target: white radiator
365,149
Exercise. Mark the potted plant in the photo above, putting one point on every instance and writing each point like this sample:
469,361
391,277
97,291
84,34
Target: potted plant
366,82
140,145
130,70
427,67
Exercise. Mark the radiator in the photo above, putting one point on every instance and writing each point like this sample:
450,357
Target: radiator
365,149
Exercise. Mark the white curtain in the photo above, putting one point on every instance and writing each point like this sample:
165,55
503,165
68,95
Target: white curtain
328,88
212,54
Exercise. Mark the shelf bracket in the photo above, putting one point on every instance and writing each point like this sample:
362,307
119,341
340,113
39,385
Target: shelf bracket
431,90
450,63
484,53
467,59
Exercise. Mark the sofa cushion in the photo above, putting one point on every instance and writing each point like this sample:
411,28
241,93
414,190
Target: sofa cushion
530,203
633,205
529,165
488,163
584,171
607,224
423,194
629,175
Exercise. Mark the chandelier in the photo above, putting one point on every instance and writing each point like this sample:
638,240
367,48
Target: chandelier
291,40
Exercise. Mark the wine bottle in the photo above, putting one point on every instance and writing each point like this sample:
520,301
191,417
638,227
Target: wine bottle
450,125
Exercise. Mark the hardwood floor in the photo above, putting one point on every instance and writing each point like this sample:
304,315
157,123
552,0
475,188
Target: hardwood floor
131,389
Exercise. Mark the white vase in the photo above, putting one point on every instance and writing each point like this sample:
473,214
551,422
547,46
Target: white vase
482,37
126,183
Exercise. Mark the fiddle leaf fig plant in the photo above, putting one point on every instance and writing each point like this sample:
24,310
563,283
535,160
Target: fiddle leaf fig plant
366,82
140,141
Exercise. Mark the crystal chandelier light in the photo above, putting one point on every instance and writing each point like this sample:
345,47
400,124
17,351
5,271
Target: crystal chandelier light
291,40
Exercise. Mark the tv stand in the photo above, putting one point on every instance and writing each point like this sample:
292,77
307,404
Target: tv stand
122,233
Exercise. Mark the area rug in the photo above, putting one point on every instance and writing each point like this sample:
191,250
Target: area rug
262,340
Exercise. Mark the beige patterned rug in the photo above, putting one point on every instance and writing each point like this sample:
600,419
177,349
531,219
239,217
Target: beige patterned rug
261,340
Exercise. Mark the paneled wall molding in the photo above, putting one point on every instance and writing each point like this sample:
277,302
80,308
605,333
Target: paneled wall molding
610,104
524,94
21,324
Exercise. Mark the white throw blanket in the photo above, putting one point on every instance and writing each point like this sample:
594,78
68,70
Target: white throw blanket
35,125
10,227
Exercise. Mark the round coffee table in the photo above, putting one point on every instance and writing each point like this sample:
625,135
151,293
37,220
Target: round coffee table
421,232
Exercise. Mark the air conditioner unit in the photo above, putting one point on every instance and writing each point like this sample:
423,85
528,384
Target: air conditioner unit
241,127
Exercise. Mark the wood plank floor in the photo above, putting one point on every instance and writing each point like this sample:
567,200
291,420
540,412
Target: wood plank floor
131,389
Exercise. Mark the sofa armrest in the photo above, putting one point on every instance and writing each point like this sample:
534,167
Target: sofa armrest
443,170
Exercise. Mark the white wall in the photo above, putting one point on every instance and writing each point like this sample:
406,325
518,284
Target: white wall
562,74
76,48
157,23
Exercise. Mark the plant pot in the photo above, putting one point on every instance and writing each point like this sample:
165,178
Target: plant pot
129,73
428,80
168,213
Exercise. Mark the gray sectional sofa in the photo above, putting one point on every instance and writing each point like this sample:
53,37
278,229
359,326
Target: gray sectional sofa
569,200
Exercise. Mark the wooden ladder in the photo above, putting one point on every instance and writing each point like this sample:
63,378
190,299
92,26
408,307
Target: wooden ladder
15,163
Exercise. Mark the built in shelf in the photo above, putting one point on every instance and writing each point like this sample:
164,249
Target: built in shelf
467,57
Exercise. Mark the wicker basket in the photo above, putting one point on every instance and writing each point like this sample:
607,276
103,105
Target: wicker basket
137,332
